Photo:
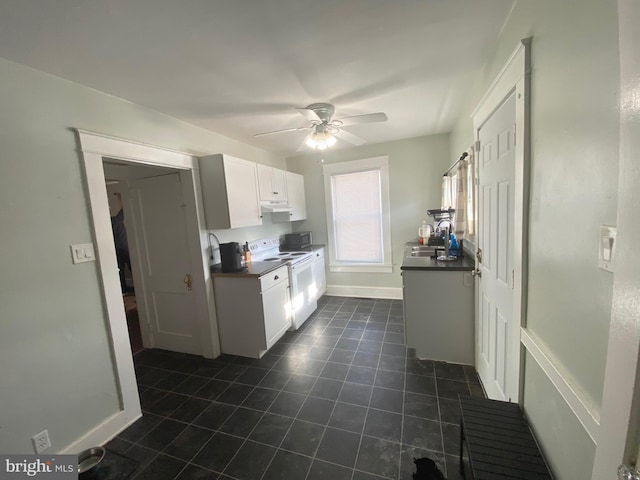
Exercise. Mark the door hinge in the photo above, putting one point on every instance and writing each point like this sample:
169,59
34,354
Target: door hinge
477,145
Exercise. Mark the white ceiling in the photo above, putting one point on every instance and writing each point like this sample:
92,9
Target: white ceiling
239,67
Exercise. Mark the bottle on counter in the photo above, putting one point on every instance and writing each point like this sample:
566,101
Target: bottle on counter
424,232
246,253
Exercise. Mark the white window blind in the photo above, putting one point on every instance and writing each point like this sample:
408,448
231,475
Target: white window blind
357,217
358,221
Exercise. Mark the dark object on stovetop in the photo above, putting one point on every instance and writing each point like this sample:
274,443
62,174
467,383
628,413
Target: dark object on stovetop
426,469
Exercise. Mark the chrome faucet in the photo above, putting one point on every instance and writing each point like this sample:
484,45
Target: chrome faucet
447,242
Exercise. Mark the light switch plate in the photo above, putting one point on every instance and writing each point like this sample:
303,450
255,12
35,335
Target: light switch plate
607,247
82,253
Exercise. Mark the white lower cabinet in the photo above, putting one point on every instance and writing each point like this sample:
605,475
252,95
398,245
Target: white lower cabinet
319,273
253,312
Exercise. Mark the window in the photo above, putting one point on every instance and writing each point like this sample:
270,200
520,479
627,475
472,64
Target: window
357,198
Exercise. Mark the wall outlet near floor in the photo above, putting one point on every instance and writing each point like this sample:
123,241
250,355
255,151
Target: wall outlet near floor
41,441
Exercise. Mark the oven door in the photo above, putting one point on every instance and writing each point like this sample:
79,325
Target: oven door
303,300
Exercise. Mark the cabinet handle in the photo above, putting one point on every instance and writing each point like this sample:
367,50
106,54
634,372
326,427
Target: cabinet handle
276,277
275,193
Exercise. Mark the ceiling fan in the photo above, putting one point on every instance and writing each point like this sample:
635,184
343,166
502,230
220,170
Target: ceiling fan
324,129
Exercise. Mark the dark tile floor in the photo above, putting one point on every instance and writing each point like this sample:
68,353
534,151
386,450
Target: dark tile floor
341,398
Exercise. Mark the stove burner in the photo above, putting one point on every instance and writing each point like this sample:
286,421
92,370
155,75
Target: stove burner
272,259
298,253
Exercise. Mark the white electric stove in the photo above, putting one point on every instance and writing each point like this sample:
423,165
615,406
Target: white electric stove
301,282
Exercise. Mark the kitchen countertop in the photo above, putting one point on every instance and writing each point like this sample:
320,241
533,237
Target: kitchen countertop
257,269
428,263
254,269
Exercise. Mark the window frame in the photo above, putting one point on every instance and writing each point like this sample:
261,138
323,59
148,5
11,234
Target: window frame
356,166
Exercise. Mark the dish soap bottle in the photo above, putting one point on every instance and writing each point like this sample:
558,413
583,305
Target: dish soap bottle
454,249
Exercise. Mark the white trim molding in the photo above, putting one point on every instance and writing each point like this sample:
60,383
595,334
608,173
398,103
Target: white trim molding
393,293
584,410
380,164
94,148
514,78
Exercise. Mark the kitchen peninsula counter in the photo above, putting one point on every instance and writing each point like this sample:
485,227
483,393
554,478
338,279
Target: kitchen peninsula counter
438,302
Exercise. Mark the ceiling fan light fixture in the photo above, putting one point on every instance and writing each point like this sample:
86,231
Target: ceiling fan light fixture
321,139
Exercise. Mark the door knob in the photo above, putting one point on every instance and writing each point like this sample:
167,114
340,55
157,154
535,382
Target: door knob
476,273
187,281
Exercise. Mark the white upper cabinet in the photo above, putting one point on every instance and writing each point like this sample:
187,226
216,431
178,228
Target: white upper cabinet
229,192
295,191
272,183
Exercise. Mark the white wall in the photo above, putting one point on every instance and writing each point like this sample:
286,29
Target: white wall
56,369
574,165
416,166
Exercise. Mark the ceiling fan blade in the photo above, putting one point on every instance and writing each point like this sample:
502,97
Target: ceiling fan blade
296,129
350,137
309,114
360,119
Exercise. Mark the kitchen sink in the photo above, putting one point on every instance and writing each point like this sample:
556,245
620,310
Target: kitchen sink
422,248
421,253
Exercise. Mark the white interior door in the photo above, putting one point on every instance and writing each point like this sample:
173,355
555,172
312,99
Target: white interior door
496,322
162,247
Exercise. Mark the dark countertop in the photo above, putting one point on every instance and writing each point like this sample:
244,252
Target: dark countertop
254,269
257,269
428,263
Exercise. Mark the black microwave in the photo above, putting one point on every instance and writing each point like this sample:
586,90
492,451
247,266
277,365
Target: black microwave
297,240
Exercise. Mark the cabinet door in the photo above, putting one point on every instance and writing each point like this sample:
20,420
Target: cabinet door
319,274
275,302
242,192
279,184
295,189
264,183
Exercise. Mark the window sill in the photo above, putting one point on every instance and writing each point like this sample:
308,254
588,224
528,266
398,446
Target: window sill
361,268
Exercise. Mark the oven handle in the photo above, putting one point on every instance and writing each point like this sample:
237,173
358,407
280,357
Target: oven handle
302,263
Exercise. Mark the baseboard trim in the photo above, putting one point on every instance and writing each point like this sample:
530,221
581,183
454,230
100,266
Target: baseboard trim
393,293
586,413
101,434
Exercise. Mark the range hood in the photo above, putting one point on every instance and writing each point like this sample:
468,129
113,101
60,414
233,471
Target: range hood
275,206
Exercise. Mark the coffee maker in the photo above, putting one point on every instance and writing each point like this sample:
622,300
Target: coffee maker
231,257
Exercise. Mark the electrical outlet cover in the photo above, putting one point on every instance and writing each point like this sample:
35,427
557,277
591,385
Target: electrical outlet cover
41,441
607,247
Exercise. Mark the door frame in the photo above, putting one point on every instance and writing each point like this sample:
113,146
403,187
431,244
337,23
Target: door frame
94,147
515,76
618,438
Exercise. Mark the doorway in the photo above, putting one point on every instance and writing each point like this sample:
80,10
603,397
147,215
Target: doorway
155,206
121,244
95,148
